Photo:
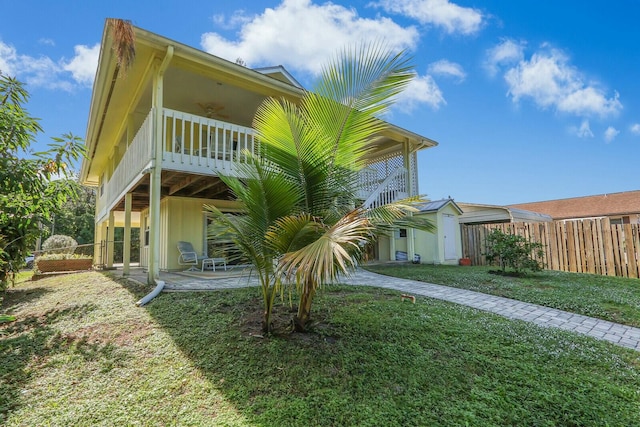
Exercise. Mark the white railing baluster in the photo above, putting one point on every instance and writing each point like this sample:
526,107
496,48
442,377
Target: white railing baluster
215,146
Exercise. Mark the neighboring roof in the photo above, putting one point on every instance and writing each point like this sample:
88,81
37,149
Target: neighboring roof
278,72
624,203
477,213
436,205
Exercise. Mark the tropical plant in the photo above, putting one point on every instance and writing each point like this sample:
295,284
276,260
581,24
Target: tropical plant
513,251
300,200
29,192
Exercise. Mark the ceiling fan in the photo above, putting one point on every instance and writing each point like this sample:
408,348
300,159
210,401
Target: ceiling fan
213,110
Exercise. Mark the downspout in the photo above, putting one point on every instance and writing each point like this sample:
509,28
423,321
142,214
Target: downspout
155,182
152,294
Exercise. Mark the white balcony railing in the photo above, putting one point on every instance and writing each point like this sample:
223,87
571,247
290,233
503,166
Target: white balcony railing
132,163
205,146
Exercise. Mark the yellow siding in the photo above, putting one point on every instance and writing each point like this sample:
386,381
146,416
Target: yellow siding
426,244
383,249
430,246
182,218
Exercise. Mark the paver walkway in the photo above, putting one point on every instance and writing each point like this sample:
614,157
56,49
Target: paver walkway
625,336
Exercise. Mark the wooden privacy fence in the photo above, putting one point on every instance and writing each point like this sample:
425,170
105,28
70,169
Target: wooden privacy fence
587,246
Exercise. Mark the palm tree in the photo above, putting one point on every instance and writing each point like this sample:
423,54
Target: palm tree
312,151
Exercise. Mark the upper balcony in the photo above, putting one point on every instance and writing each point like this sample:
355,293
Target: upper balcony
197,150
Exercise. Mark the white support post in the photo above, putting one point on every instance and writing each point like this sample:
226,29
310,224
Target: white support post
408,166
155,180
392,246
126,252
110,238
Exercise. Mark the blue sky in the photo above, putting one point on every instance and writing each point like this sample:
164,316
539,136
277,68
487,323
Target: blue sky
530,100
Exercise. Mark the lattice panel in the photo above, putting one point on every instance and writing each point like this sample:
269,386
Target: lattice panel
383,167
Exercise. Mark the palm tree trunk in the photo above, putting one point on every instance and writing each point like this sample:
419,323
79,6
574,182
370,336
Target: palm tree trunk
269,297
304,308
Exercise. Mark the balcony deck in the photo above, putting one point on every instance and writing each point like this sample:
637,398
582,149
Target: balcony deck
197,150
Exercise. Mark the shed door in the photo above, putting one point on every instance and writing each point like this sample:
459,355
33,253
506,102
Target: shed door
450,246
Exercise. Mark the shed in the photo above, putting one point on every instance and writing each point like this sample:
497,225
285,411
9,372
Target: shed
444,245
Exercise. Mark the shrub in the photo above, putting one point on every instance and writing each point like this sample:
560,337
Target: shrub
513,251
59,244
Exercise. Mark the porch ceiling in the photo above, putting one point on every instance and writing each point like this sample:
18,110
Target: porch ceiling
178,184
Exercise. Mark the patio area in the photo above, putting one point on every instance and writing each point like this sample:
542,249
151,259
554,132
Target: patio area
177,281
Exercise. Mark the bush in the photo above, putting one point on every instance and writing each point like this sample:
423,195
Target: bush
513,251
59,244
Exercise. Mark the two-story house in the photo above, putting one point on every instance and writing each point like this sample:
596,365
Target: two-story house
162,132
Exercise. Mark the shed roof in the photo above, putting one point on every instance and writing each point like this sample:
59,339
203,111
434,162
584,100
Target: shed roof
478,214
436,205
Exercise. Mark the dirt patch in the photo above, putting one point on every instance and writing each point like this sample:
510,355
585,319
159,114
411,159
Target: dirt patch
121,335
320,329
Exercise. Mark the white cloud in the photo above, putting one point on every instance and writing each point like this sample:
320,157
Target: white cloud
506,53
45,72
439,13
421,90
447,68
237,19
610,133
584,131
40,71
83,66
8,58
550,81
46,41
635,128
302,35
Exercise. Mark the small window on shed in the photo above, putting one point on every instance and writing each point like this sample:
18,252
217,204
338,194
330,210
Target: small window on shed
403,232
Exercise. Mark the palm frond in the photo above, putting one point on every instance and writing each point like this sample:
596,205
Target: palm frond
124,42
293,232
366,78
400,214
335,252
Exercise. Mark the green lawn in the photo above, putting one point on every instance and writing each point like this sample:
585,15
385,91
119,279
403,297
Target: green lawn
611,298
81,353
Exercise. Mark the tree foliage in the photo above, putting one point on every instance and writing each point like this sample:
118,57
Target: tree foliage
301,216
76,216
513,251
29,188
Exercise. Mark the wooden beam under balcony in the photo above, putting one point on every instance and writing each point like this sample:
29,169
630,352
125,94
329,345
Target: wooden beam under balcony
184,183
214,183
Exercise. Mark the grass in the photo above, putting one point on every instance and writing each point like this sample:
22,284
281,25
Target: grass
81,353
610,298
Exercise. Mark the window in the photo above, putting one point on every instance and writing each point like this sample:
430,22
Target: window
220,248
146,231
101,190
